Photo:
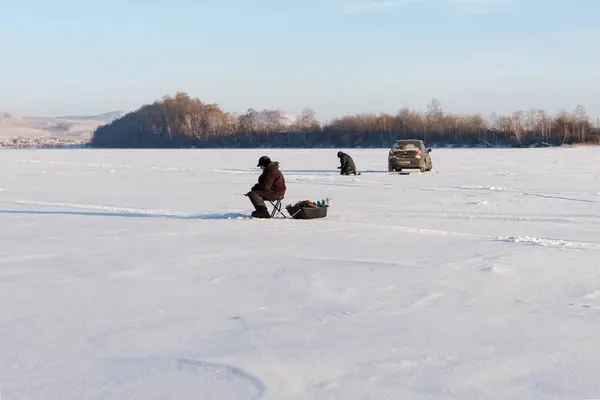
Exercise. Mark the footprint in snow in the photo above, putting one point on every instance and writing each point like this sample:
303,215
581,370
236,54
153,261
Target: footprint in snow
498,269
589,306
426,300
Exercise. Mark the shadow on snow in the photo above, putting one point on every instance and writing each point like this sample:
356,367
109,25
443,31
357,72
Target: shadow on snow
216,216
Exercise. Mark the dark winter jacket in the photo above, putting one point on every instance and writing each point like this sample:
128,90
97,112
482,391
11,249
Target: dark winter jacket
347,165
271,183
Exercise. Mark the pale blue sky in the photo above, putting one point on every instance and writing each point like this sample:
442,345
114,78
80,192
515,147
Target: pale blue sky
335,56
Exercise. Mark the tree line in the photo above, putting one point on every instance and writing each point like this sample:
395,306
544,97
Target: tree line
181,121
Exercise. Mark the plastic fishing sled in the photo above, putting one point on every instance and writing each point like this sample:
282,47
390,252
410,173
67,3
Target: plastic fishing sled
307,209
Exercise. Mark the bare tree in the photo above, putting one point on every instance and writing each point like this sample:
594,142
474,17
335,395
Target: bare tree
434,116
306,121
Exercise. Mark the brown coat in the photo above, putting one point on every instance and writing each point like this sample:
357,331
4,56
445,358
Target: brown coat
271,183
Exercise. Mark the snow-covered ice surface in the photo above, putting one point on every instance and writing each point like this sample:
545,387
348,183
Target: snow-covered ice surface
130,275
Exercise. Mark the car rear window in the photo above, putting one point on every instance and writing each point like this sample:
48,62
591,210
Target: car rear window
407,146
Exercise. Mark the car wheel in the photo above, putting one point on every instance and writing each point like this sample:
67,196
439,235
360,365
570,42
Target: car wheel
423,168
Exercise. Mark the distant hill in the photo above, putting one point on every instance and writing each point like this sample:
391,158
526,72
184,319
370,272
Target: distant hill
72,127
105,118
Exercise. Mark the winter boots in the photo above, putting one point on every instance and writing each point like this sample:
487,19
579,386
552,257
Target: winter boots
261,212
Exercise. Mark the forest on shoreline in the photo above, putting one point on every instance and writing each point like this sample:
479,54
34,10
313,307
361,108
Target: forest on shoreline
181,121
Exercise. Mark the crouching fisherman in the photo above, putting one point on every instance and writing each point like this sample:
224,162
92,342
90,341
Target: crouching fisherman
270,186
347,166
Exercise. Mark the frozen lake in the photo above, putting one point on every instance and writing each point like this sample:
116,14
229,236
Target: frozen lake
127,275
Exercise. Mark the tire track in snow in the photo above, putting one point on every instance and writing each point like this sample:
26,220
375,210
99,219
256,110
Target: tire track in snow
568,219
547,242
124,211
366,262
556,197
361,183
105,208
552,195
544,242
110,166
